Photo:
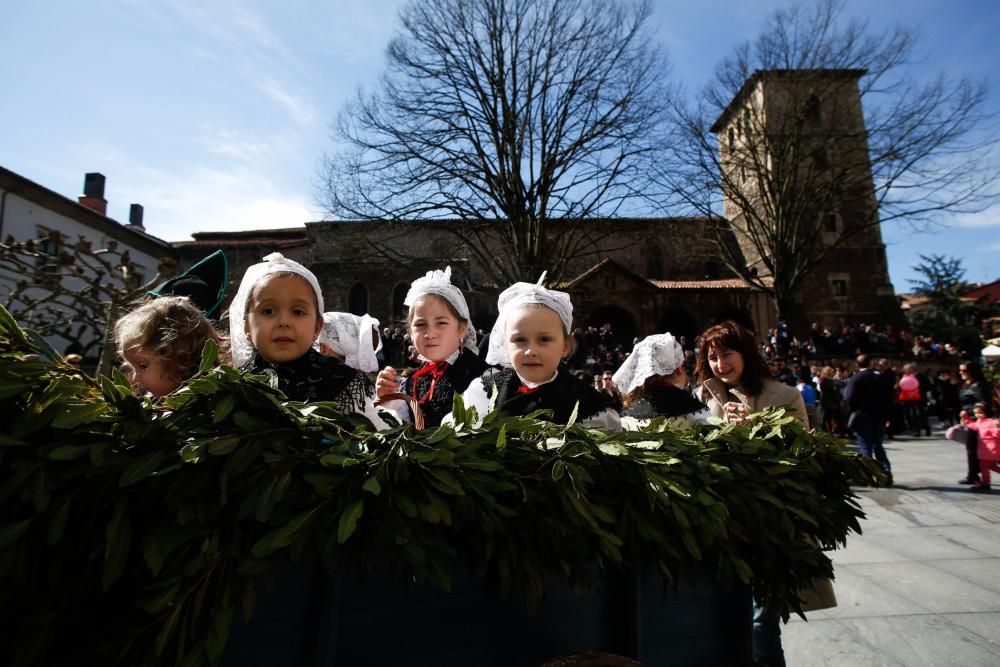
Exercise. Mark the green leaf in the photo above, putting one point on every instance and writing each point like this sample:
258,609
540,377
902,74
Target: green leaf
224,445
223,408
372,486
282,537
74,414
349,520
12,532
502,439
209,356
141,469
69,452
152,554
168,629
57,523
118,544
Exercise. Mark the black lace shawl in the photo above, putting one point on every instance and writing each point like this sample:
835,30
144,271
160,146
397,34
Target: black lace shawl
560,396
664,402
313,377
456,379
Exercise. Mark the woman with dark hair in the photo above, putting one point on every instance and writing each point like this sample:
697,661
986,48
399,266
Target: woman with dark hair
975,389
736,384
736,379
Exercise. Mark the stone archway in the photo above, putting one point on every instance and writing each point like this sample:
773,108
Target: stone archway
679,322
623,325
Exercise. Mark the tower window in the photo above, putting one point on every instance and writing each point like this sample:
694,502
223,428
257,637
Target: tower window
812,110
830,222
838,286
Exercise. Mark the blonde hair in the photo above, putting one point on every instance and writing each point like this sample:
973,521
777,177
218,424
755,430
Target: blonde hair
170,328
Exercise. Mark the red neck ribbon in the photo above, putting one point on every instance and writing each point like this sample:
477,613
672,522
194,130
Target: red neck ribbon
435,369
523,389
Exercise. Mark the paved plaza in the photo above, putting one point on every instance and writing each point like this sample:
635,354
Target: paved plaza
921,586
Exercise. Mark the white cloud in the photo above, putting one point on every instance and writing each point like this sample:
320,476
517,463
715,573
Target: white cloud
987,218
298,108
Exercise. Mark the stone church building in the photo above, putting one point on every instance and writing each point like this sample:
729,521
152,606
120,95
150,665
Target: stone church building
644,275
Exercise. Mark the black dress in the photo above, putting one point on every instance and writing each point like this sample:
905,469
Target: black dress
314,377
435,385
666,401
561,396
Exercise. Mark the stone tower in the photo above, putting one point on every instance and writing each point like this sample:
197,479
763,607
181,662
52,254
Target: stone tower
795,165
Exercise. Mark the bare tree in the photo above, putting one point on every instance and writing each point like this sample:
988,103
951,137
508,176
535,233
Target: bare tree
72,290
519,119
815,133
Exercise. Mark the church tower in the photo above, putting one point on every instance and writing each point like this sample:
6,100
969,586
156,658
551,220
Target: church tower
799,196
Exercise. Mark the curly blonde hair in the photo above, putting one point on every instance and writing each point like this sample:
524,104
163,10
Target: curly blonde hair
170,328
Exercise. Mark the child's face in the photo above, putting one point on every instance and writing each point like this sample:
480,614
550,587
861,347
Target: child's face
282,321
979,411
435,330
148,373
536,342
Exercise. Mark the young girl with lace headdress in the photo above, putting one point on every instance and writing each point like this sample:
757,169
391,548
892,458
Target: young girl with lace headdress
528,341
352,339
274,320
654,383
445,339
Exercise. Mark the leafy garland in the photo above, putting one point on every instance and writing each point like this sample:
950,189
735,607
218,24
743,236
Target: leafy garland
133,531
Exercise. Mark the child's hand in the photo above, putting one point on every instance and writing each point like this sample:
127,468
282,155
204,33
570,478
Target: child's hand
386,382
735,412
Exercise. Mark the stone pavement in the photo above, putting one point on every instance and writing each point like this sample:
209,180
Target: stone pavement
921,586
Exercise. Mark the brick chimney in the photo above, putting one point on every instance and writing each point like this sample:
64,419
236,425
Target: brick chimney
135,217
93,193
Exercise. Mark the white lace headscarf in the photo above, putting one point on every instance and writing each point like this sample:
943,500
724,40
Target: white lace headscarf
242,347
659,354
523,294
439,284
351,337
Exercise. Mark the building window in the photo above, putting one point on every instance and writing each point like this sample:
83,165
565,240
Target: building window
821,162
654,261
830,223
748,123
48,246
838,286
398,297
357,299
732,139
812,110
712,270
609,283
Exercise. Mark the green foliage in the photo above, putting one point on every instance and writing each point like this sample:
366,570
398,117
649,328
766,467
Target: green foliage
947,317
132,532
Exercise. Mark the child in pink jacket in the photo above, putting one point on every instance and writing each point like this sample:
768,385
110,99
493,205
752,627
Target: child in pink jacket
989,446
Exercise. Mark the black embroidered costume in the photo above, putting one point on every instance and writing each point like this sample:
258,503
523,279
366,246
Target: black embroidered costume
434,385
313,377
561,396
664,401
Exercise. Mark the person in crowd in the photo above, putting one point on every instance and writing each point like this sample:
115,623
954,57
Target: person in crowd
946,391
445,342
161,342
810,398
987,431
353,339
655,385
529,341
830,399
274,321
737,383
911,399
975,389
609,388
869,398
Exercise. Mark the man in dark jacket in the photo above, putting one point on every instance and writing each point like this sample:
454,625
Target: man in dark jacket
870,400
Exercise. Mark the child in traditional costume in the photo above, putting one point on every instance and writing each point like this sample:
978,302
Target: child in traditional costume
274,322
528,341
161,343
445,340
654,383
352,339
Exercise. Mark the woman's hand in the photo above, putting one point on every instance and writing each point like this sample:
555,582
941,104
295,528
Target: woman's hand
386,383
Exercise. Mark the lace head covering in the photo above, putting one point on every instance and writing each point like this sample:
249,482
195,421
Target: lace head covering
351,337
439,284
242,347
522,294
658,354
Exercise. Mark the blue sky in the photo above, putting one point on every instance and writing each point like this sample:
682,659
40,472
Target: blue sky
215,114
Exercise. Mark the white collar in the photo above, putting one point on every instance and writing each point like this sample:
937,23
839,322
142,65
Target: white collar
534,385
452,358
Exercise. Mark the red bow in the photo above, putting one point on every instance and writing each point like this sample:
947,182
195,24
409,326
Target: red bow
435,369
528,390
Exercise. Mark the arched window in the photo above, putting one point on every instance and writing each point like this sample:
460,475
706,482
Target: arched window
654,261
398,296
357,299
